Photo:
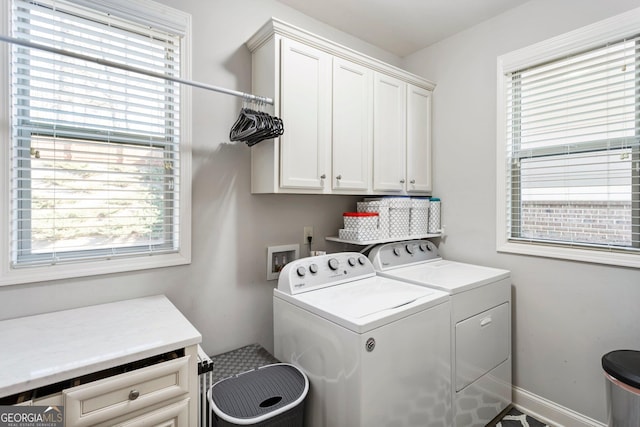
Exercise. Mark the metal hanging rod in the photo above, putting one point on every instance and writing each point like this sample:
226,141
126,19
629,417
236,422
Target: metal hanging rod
246,96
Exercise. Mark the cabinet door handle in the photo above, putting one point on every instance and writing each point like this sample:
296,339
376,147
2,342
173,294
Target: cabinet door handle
339,177
134,394
413,181
402,181
323,176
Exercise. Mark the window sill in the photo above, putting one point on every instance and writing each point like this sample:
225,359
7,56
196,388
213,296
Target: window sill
595,256
91,268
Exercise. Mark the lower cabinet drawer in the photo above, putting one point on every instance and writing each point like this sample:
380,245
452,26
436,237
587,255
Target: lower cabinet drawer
52,400
113,397
174,415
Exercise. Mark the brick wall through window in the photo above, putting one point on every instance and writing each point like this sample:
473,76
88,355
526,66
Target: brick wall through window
606,222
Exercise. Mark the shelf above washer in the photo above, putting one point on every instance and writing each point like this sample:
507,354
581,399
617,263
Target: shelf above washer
385,240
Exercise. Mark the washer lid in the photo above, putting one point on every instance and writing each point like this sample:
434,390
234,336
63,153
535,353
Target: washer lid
364,299
449,276
366,304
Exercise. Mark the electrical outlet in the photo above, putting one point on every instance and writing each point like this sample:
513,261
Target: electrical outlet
308,232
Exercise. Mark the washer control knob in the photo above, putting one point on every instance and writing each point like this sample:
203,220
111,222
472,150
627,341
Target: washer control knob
409,248
313,268
333,264
423,247
396,251
361,260
352,262
301,271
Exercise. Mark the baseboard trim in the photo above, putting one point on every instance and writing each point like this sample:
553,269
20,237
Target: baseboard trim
549,412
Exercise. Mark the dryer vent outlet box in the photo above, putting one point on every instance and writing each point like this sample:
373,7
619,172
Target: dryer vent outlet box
278,257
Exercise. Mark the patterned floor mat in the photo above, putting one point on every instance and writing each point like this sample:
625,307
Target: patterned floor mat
241,360
515,418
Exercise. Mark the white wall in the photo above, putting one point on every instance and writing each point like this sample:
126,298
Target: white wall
224,292
566,314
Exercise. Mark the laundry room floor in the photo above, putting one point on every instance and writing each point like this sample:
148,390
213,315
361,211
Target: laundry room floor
254,355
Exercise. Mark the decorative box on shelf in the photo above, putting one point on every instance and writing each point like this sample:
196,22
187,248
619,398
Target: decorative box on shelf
358,234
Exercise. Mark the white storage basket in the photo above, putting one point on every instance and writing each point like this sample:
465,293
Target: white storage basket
359,235
434,216
419,220
399,216
360,220
381,207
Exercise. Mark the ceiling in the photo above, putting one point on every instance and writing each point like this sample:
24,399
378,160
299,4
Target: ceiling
402,27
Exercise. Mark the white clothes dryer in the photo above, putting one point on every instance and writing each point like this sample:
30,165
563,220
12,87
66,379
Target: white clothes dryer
376,350
480,324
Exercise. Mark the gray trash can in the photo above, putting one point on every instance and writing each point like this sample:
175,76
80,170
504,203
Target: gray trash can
270,396
622,369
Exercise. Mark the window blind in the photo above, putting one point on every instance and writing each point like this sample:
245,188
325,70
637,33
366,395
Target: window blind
573,152
95,150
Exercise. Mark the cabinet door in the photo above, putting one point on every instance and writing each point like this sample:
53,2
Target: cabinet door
418,139
352,125
482,343
306,112
389,133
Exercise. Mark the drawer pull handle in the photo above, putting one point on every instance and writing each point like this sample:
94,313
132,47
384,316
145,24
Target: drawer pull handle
134,394
485,321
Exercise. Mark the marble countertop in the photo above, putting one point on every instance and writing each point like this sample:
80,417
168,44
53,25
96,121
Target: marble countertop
47,348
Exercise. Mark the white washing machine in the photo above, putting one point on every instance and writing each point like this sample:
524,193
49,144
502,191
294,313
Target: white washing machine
376,350
480,324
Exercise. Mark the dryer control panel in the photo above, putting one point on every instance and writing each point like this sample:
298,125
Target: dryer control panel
401,254
307,274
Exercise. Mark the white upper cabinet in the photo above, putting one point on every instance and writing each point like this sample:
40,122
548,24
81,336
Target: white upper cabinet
389,133
352,124
305,109
402,137
418,139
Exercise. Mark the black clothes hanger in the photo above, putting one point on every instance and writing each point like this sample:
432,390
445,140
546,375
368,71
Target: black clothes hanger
254,126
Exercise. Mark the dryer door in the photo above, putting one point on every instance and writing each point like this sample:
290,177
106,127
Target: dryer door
482,343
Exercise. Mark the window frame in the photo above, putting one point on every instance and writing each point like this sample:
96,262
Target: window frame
143,11
577,41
